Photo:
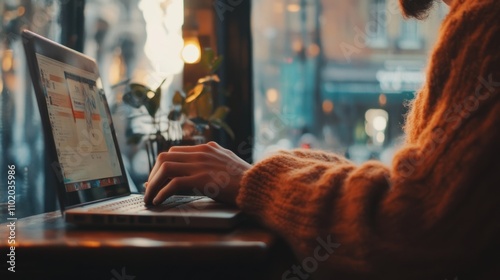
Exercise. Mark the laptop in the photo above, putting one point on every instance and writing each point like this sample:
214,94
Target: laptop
81,144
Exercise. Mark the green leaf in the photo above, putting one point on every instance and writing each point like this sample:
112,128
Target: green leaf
211,61
209,78
161,84
153,102
137,95
139,90
221,124
220,113
207,58
216,63
194,93
204,104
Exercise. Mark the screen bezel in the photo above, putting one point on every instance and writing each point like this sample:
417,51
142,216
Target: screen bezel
36,44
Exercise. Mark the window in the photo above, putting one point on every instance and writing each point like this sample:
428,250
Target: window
410,35
325,84
136,41
377,24
129,39
21,136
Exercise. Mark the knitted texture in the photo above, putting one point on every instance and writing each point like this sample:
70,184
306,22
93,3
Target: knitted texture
433,214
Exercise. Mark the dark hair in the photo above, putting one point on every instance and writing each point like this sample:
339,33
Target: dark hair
418,9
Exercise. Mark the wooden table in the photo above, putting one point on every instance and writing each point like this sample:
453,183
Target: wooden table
48,248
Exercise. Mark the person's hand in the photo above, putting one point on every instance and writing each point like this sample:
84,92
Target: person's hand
206,169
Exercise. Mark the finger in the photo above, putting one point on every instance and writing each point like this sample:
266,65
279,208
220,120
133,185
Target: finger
213,144
187,149
162,177
163,157
151,192
155,183
195,158
170,157
169,170
210,148
172,170
174,186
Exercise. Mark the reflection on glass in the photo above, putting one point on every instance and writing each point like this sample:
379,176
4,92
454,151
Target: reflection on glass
136,41
21,138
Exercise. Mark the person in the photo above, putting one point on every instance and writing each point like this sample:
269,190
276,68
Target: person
432,214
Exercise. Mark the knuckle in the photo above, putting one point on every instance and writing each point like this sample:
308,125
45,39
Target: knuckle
173,149
162,157
201,157
163,167
205,147
213,144
175,182
205,165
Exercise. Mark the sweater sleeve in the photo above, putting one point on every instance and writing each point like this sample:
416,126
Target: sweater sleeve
434,212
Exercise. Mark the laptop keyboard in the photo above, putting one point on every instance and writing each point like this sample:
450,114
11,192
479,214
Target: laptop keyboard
136,203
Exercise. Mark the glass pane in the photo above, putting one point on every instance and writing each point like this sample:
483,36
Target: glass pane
334,75
21,137
135,41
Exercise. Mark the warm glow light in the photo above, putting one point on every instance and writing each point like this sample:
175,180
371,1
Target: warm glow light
380,137
379,123
272,95
278,8
7,61
20,11
293,8
116,65
91,243
297,45
376,122
382,99
328,106
191,53
313,50
150,94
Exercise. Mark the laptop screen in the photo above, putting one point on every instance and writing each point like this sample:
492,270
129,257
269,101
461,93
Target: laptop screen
80,126
80,138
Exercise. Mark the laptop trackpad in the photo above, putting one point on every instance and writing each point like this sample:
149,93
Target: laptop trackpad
200,204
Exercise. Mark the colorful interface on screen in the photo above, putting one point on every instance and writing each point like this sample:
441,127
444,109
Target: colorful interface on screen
80,125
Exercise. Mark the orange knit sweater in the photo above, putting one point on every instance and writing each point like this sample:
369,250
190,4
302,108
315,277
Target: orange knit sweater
433,214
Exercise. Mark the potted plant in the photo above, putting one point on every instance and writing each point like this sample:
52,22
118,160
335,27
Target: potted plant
191,116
